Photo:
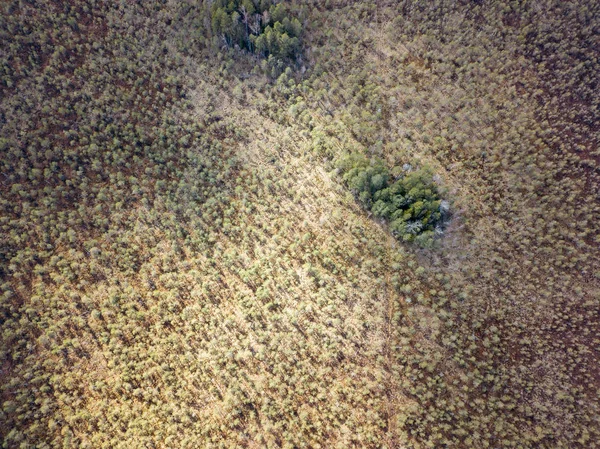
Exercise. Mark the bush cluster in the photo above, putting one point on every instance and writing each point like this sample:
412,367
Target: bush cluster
264,28
410,202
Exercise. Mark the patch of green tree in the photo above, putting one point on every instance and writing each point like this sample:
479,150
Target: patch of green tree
261,27
410,202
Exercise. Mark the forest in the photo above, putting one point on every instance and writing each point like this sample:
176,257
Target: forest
300,224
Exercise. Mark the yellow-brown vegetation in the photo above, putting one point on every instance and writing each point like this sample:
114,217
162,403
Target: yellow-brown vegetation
183,266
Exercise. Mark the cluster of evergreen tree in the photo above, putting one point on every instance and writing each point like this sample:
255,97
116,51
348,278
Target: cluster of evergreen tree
258,26
410,202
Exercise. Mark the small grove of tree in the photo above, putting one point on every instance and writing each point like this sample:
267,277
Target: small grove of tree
258,26
411,202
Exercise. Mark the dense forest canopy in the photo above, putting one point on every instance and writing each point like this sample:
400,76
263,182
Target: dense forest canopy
410,202
299,224
265,28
